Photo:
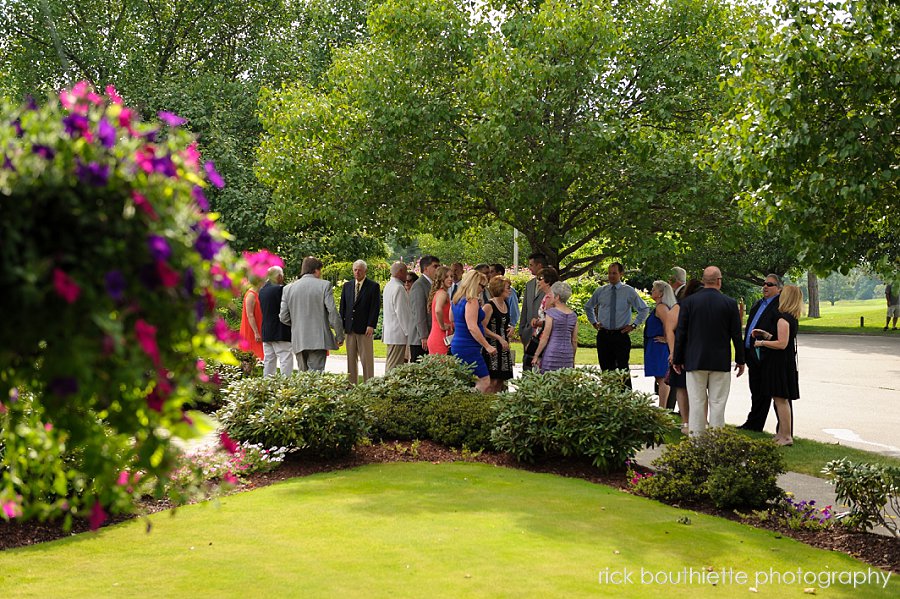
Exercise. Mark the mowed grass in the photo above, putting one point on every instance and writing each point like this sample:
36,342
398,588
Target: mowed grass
583,355
843,317
426,530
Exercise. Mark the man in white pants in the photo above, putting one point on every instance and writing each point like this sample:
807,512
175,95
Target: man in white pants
708,321
276,336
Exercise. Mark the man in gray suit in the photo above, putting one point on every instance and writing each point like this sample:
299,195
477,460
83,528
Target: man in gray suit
307,306
531,302
418,301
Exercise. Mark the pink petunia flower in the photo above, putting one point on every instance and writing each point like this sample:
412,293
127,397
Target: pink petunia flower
123,478
228,443
144,204
191,155
258,263
146,336
12,509
167,275
98,516
65,286
224,334
113,95
230,478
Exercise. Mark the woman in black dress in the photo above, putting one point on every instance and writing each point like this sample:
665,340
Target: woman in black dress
496,331
780,361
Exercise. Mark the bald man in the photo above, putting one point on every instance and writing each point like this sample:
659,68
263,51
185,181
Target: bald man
708,321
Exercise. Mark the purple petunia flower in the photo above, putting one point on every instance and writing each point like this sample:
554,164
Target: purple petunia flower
75,124
92,173
189,280
63,386
214,177
115,284
107,133
171,119
14,395
7,164
200,198
17,126
159,247
30,103
150,136
164,165
45,152
200,309
206,246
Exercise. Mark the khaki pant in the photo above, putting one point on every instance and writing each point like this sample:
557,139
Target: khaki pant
359,351
707,389
396,355
311,359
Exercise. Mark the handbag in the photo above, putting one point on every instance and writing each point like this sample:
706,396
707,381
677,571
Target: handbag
448,339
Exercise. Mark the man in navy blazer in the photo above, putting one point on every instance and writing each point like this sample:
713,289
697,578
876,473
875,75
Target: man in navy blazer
708,321
360,305
763,315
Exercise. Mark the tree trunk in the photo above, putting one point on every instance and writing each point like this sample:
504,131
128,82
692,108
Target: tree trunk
812,287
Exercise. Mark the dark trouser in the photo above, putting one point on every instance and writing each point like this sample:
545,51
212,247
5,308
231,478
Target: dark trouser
416,352
760,400
613,351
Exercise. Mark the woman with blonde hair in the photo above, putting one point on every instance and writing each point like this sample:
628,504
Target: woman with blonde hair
468,338
656,343
441,322
779,361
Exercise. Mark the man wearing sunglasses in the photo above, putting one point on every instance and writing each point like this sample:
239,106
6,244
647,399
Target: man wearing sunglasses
763,315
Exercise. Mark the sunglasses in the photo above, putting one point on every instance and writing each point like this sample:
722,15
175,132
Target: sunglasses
770,284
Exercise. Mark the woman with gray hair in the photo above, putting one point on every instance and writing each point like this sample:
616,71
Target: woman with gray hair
559,339
656,346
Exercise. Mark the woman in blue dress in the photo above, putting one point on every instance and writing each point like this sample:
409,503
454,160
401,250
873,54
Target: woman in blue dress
656,344
468,338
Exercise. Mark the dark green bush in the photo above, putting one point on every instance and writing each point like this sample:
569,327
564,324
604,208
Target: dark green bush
463,419
867,489
721,466
578,412
401,400
311,411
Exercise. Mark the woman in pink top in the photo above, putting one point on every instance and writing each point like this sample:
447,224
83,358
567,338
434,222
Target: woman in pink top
441,322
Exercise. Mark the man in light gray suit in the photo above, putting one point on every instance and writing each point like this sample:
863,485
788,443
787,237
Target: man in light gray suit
418,301
531,302
397,326
307,306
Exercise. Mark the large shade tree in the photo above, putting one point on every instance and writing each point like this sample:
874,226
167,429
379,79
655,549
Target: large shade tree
574,122
813,138
205,60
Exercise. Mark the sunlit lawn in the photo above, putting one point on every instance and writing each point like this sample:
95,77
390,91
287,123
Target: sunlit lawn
425,530
844,316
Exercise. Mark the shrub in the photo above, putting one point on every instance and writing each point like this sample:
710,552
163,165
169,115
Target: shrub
401,400
578,412
867,489
337,272
112,272
309,411
463,419
721,467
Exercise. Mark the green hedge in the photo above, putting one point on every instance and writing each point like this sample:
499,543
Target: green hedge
463,419
580,413
311,411
401,400
721,466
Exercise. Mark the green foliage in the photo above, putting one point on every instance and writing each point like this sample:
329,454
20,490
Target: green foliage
338,272
721,466
811,138
871,490
574,122
309,411
463,419
112,273
578,413
402,399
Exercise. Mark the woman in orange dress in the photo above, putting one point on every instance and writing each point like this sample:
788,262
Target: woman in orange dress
251,321
441,322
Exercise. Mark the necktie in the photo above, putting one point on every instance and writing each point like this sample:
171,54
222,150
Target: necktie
358,287
612,309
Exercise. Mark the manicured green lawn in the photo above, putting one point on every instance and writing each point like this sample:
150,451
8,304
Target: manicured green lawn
425,530
583,355
843,317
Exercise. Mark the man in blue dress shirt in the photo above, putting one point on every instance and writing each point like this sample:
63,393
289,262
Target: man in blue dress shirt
610,310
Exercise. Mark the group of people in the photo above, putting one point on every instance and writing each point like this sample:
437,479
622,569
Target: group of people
472,315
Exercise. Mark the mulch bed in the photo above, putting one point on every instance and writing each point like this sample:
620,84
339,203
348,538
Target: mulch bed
876,550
